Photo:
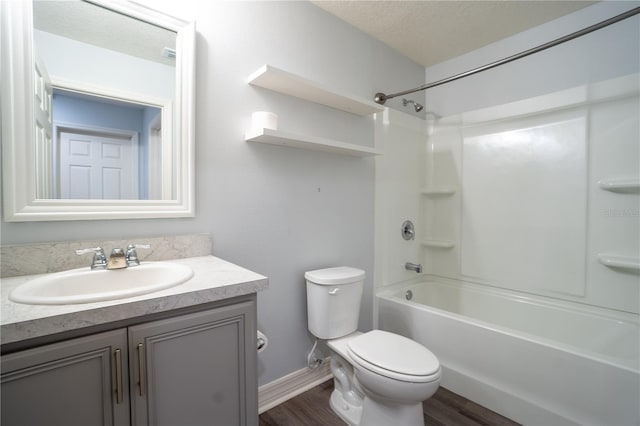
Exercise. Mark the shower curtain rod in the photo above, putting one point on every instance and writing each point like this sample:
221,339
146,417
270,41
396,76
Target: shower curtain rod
381,98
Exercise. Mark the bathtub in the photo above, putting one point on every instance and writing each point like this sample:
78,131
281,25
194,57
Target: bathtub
537,361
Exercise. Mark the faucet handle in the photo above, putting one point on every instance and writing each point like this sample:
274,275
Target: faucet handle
99,259
132,256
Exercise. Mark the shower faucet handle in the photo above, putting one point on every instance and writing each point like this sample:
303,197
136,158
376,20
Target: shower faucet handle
408,231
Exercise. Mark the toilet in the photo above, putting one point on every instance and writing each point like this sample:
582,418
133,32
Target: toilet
380,378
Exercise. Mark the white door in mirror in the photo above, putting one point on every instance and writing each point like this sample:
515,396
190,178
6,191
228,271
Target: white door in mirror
98,166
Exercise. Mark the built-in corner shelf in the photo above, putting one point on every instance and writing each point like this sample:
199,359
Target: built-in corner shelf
438,192
620,185
278,137
272,78
442,244
620,262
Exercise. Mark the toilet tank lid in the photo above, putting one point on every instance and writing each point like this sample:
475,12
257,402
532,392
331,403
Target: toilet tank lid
334,276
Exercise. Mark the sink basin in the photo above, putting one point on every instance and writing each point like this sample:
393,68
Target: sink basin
84,285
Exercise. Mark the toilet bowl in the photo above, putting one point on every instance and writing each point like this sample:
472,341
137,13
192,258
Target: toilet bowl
379,377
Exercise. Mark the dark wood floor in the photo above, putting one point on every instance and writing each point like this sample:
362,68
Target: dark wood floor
445,408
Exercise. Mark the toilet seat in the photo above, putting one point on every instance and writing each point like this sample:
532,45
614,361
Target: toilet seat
394,356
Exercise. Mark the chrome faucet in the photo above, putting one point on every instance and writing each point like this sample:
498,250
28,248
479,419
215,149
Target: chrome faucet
118,258
132,256
99,259
413,267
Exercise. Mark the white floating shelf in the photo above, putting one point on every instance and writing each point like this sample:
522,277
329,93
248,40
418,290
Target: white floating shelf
278,80
277,137
621,262
438,192
444,244
620,185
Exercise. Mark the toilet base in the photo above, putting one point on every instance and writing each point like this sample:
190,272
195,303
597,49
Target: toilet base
376,413
349,413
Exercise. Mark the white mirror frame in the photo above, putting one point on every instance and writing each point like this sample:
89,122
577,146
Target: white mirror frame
18,139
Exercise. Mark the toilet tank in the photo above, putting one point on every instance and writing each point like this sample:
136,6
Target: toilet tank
333,301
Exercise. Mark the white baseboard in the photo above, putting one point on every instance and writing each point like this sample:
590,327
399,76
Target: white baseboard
285,388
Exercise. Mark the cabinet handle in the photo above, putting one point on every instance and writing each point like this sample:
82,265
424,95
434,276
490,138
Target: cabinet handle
141,372
118,358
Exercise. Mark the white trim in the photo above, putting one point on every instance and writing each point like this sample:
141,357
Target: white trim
100,91
16,64
155,173
142,12
293,384
61,126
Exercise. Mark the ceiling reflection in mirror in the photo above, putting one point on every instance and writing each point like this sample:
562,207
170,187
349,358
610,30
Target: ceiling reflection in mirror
103,104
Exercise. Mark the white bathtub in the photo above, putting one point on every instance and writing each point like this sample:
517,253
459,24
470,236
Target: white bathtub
536,361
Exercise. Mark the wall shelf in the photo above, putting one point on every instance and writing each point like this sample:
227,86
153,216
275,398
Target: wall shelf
277,137
281,81
443,244
620,185
438,192
620,262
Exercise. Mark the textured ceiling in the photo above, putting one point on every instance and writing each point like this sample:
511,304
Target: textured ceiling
426,31
430,32
86,22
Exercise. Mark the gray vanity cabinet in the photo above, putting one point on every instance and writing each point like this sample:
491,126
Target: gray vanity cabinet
67,383
196,368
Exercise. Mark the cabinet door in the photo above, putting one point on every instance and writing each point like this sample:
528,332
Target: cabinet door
76,382
196,369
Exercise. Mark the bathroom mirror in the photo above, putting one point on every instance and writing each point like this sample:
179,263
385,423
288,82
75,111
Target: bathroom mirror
97,111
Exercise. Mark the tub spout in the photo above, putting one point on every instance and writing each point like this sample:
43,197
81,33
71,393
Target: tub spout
413,267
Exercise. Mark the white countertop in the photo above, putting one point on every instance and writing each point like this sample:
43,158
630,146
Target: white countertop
213,279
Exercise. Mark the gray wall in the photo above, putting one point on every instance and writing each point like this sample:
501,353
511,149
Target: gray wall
278,211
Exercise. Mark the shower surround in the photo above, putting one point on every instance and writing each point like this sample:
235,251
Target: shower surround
516,212
523,184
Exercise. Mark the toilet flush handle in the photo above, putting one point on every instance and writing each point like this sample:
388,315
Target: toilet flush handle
334,291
